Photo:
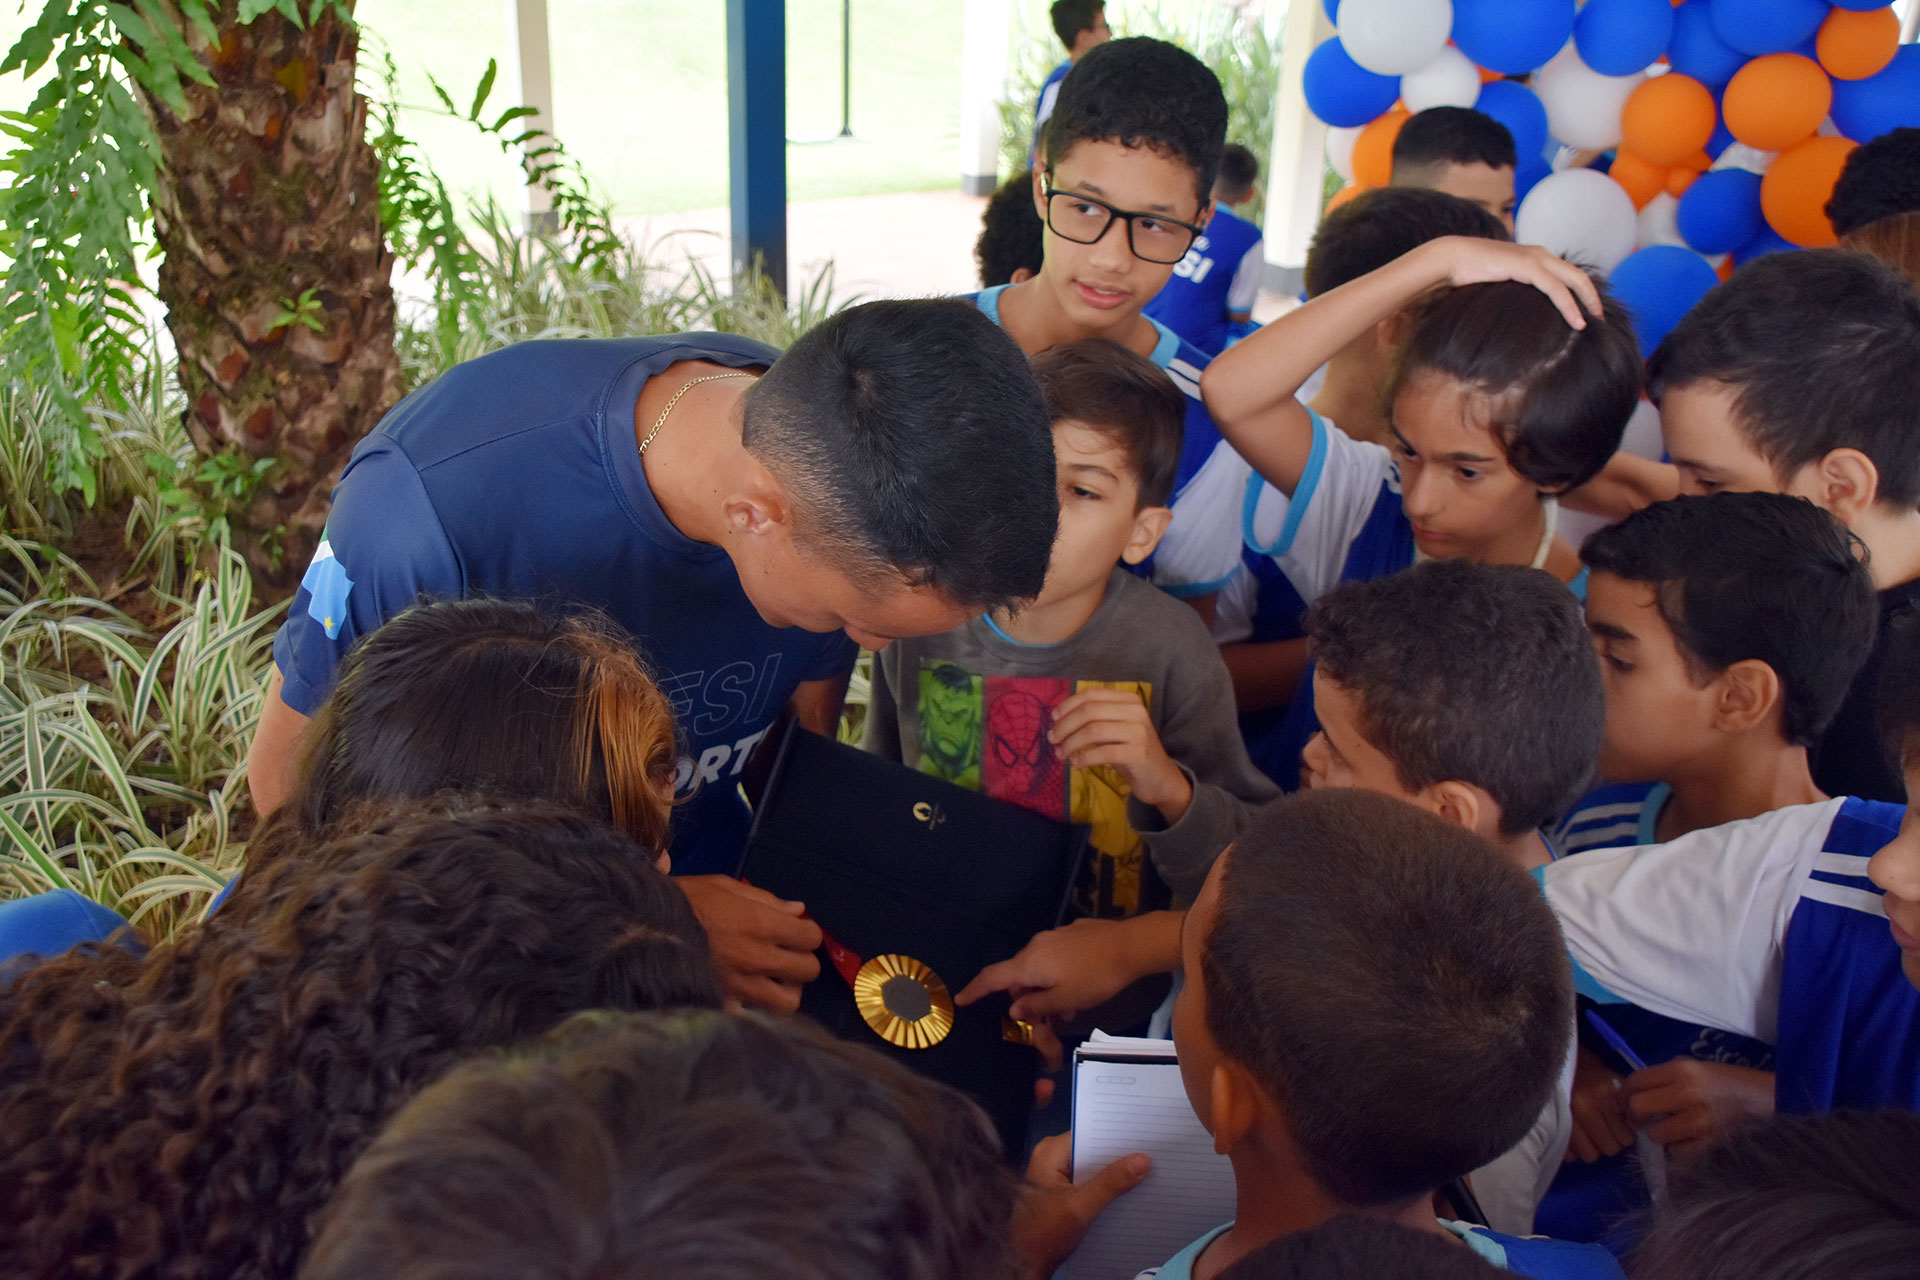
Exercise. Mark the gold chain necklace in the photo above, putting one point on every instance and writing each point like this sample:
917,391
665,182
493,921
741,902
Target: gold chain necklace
661,421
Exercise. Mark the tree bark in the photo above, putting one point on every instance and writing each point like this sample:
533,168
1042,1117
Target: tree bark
268,191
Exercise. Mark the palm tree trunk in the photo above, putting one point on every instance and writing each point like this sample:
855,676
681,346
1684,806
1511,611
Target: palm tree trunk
274,268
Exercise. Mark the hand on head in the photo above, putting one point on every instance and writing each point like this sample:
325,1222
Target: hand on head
1469,260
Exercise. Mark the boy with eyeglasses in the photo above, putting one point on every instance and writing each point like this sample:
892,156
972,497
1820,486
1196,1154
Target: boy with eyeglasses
1124,186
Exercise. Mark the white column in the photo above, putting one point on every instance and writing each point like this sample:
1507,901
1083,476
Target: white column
531,67
1299,153
983,81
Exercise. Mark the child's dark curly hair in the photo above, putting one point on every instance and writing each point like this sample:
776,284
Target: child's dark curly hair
189,1112
1011,233
1142,92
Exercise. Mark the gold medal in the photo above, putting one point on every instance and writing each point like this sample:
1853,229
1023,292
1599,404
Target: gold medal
904,1001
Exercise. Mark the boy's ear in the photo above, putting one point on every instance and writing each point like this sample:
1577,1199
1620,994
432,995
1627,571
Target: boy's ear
1235,1103
1464,805
1749,695
1844,481
1149,526
1040,186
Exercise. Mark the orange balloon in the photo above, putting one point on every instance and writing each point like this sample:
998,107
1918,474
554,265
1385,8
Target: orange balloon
1642,179
1373,149
1777,100
1725,269
1667,119
1699,162
1678,180
1794,192
1488,77
1341,196
1854,45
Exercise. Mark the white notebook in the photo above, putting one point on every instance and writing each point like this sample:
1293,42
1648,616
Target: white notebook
1127,1097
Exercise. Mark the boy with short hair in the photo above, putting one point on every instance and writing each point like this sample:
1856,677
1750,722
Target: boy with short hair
1102,701
1801,375
613,1147
1799,928
1080,24
1468,690
1209,299
1375,1004
1729,629
1125,188
1462,152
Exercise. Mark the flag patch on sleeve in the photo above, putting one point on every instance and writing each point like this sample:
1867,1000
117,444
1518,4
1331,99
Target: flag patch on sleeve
328,585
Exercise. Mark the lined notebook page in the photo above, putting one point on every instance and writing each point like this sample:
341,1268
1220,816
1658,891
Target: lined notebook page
1120,1107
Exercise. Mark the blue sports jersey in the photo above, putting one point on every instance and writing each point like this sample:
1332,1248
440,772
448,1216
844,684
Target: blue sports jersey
1043,105
1534,1256
41,926
1200,550
1593,1201
1538,1256
1768,928
1621,813
517,475
1219,277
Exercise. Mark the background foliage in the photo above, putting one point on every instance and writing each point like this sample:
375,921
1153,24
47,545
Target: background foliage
133,643
1227,38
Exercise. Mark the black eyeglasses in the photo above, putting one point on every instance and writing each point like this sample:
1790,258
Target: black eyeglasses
1152,237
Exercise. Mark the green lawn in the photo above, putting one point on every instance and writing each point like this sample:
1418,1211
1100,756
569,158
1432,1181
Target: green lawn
640,93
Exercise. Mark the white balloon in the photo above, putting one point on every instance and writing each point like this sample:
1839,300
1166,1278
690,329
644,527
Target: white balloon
1659,222
1340,150
1739,155
1583,106
1579,214
1393,37
1450,80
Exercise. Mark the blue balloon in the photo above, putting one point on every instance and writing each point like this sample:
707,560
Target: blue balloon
1768,241
1515,106
1660,284
1860,6
1766,26
1721,211
1865,109
1512,36
1620,37
1342,92
1697,49
1527,174
1333,9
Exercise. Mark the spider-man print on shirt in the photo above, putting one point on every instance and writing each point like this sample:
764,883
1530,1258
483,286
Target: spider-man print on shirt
989,733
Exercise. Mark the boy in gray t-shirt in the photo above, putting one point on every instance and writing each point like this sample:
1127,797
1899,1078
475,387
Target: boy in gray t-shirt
1103,701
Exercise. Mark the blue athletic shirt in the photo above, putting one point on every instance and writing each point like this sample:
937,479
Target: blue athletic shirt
1219,276
1043,105
1768,928
1344,523
1588,1201
1200,550
1620,813
517,475
1534,1256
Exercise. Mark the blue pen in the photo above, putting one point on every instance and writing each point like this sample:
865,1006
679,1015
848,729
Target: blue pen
1614,1041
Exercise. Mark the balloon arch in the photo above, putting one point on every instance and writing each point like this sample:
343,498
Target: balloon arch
1721,124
